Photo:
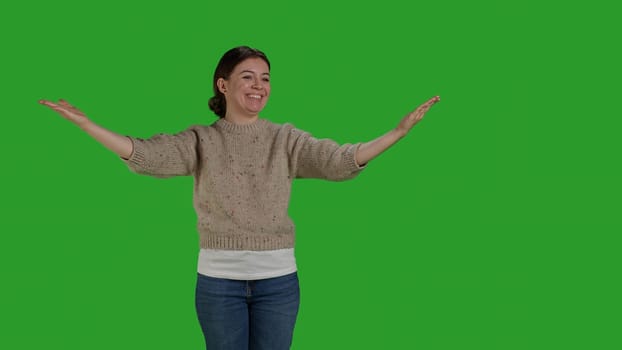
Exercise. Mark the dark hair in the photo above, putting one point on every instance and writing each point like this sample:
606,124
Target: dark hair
226,65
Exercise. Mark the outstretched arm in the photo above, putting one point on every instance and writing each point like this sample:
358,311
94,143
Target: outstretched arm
372,149
118,144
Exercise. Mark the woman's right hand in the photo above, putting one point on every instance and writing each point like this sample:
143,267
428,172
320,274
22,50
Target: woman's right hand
68,111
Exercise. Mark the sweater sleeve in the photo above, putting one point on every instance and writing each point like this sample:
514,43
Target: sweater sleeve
165,155
322,158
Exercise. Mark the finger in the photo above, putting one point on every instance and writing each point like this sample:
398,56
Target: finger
57,108
426,105
431,101
422,109
65,103
47,103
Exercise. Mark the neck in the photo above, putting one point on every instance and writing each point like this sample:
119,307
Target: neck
241,119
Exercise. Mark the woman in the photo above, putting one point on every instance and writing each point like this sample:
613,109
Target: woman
247,292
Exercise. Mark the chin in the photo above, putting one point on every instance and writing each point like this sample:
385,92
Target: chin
254,111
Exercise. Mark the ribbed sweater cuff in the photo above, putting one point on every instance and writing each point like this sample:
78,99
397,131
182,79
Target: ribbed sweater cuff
137,158
350,158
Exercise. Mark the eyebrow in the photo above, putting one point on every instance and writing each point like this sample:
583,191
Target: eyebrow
250,71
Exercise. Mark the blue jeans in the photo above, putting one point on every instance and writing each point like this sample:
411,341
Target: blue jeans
255,315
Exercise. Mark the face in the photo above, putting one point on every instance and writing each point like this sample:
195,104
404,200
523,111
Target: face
247,89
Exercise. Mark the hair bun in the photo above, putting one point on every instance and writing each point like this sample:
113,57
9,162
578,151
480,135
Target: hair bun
218,104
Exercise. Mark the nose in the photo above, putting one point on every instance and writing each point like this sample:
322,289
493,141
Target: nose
257,84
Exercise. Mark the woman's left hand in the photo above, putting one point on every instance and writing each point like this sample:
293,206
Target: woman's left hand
415,116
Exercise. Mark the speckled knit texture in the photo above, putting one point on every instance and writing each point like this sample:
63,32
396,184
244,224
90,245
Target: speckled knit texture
243,176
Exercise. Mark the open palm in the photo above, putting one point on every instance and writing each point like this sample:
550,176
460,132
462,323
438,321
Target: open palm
415,116
66,110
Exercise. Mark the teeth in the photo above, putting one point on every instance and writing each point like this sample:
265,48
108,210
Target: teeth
254,96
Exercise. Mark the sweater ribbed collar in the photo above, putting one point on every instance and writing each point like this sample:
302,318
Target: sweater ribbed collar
241,128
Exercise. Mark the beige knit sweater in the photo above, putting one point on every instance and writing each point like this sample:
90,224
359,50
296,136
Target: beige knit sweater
243,176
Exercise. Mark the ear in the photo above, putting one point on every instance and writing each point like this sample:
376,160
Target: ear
222,85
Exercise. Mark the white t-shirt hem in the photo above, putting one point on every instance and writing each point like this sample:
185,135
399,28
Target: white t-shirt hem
250,277
246,265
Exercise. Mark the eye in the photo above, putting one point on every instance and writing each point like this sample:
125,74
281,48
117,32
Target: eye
247,77
267,80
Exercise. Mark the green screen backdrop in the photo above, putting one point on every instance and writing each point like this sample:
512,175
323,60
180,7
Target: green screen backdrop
494,225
